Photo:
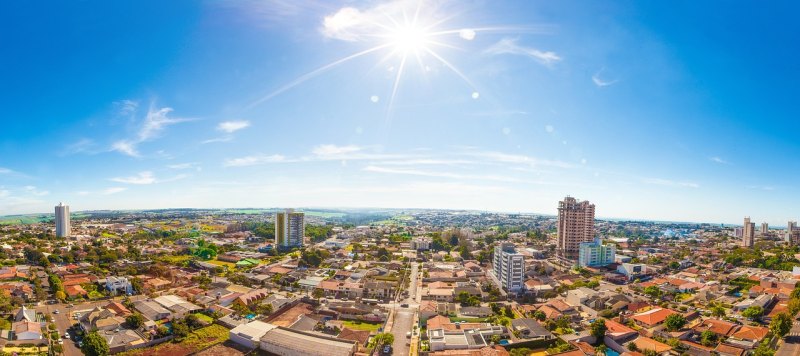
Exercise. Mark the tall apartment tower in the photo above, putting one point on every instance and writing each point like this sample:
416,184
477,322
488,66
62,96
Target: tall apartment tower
764,228
575,225
509,267
290,228
748,232
791,227
63,228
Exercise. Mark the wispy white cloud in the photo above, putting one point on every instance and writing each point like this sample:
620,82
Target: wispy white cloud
126,147
145,177
518,159
334,150
761,187
154,123
5,171
233,126
510,46
127,107
35,191
602,82
670,183
718,160
188,165
254,160
114,190
218,139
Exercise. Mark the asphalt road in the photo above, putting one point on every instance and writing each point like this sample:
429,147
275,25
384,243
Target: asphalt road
64,320
404,317
791,343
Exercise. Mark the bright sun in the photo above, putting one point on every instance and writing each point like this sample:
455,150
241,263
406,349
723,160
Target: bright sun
409,39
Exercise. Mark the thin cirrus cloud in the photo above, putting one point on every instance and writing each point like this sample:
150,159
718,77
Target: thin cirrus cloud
233,126
254,160
510,46
154,123
35,191
114,190
719,160
145,178
228,128
670,183
602,82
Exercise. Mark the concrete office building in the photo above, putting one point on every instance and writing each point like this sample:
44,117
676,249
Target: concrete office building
509,267
290,228
575,226
63,228
748,232
595,254
764,228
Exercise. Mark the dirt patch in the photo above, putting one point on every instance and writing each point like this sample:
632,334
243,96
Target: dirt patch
288,317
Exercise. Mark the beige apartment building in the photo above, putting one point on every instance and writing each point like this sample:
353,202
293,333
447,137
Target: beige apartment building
575,225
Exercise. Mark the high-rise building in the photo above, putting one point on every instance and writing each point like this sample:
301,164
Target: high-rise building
791,227
748,232
764,228
595,254
575,225
290,228
63,228
509,267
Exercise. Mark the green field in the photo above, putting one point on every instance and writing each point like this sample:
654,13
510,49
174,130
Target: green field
361,325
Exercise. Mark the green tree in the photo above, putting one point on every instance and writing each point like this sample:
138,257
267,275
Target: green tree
205,250
652,291
523,351
180,329
632,347
383,339
753,312
94,345
539,315
708,338
134,320
781,324
598,330
717,311
674,322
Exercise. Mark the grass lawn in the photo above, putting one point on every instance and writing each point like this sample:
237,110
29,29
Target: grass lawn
175,260
204,317
5,324
228,265
361,325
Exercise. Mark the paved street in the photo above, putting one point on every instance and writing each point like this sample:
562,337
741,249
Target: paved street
791,343
404,317
63,319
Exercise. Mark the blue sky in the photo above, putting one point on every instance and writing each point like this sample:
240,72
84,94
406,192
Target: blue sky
672,110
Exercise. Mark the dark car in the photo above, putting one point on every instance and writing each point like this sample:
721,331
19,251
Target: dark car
404,305
387,350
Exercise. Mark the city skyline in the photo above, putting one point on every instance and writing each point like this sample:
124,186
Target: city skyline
498,107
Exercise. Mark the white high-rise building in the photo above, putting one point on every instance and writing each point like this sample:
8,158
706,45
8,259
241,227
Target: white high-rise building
791,227
764,228
509,267
595,254
748,232
290,228
575,225
63,228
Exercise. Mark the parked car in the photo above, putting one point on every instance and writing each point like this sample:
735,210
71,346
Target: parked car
56,311
408,335
404,305
387,350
